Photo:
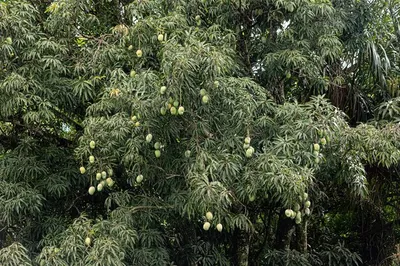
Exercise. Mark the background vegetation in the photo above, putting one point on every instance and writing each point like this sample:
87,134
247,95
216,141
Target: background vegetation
199,132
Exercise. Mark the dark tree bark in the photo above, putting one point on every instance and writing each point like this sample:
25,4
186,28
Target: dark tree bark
242,244
301,236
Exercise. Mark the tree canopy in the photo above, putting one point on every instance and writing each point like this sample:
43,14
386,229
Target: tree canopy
199,132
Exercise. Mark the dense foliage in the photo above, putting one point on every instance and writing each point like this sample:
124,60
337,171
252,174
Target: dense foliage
199,132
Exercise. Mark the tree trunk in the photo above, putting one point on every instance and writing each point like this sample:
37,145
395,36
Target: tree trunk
301,234
242,243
